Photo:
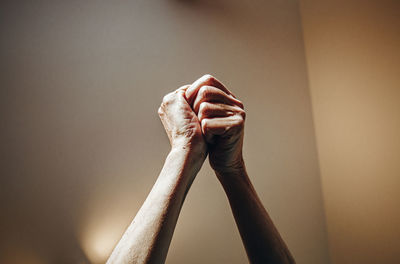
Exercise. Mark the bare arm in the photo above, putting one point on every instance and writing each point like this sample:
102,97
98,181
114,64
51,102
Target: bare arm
222,121
148,237
260,237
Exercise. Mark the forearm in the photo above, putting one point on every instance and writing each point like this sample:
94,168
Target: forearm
148,237
261,239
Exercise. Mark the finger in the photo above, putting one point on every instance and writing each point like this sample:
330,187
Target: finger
212,94
178,94
211,110
183,88
221,126
181,95
170,95
207,79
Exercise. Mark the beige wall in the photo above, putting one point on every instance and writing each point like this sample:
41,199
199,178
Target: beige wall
81,82
353,56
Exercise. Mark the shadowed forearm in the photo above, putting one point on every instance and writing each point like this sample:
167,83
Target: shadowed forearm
148,237
261,239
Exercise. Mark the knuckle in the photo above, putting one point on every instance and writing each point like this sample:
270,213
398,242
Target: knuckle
242,113
238,123
204,110
168,98
204,91
204,124
204,107
240,104
160,111
208,77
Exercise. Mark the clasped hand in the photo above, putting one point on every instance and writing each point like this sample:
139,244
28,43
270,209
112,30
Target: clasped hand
205,117
201,118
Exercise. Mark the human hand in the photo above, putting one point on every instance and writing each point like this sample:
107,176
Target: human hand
222,120
181,123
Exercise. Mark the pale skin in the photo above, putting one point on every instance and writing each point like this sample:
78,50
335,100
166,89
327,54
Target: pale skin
201,118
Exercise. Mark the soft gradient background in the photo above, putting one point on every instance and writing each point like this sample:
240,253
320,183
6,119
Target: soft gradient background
353,55
81,142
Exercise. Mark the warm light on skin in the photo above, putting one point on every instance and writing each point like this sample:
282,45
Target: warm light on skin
107,217
99,239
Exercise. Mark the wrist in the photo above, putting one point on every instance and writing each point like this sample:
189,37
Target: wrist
192,157
194,149
234,181
233,167
180,167
231,174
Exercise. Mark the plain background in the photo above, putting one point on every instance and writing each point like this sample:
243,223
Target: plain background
353,56
82,82
82,144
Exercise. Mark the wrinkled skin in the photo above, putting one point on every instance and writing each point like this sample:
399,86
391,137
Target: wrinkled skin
201,118
206,117
222,120
181,123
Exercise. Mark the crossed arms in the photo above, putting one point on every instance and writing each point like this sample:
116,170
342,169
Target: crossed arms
201,118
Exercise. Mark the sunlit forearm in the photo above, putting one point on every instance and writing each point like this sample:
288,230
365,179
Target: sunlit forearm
148,237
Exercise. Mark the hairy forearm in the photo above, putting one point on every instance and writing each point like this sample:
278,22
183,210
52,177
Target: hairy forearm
261,239
148,237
